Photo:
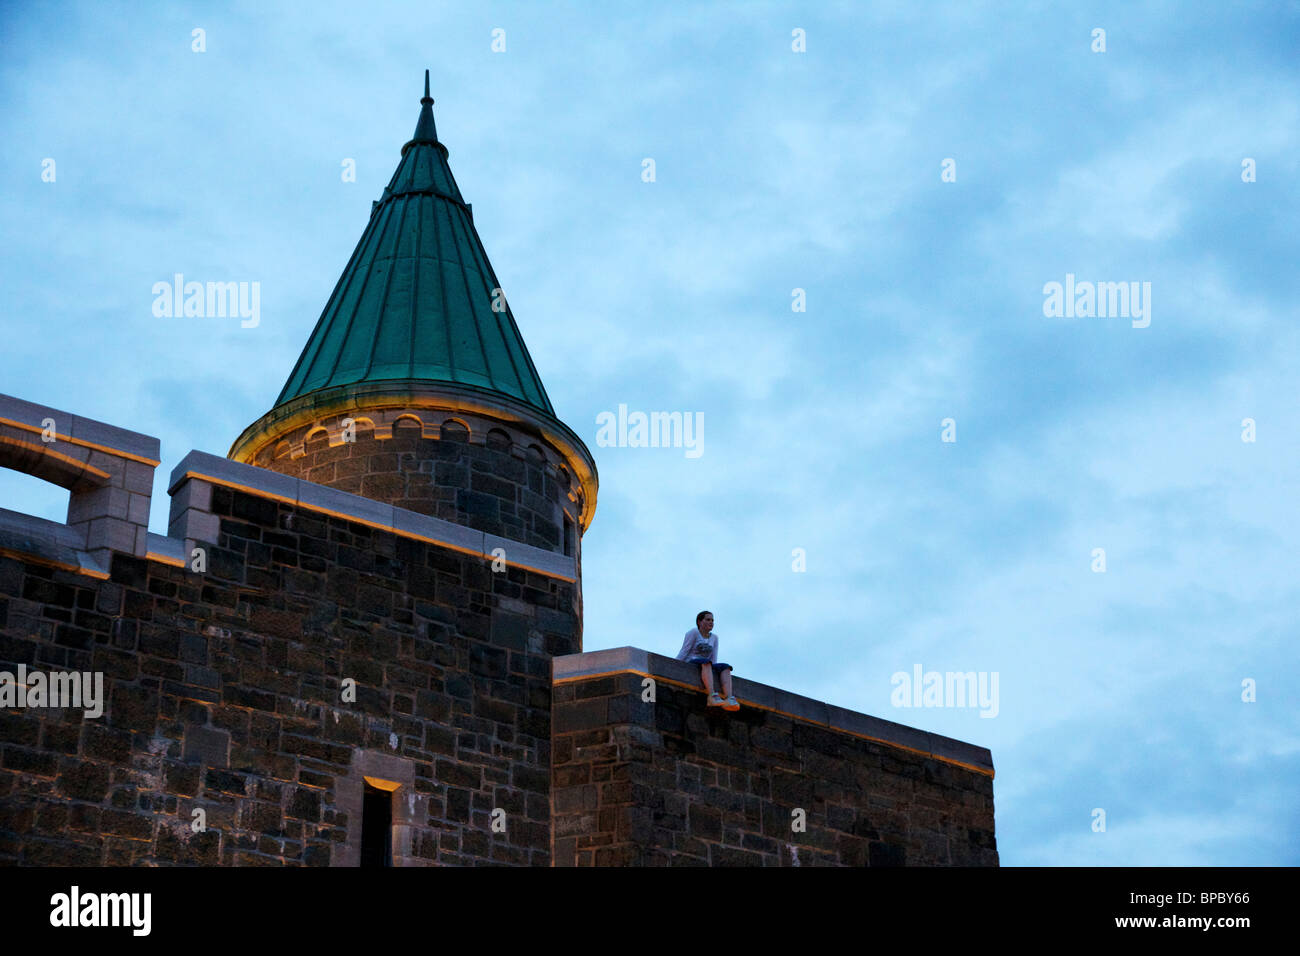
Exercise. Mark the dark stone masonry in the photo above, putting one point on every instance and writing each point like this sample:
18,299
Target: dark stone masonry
224,695
297,675
480,485
674,783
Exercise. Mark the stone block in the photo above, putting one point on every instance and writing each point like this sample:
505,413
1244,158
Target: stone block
192,493
578,715
165,549
194,525
138,478
233,474
207,746
600,662
341,504
90,432
112,534
436,530
21,412
962,752
138,509
519,555
104,502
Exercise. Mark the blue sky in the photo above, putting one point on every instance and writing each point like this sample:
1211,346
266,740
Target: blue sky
776,170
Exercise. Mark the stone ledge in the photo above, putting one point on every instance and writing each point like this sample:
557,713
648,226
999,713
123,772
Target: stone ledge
86,432
633,660
71,546
341,504
167,550
47,542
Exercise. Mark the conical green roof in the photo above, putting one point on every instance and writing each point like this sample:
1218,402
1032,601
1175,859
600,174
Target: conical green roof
416,300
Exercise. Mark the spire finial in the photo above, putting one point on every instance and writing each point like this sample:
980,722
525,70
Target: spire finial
425,131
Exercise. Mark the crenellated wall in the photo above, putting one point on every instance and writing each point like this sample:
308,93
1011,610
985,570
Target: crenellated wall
226,652
225,693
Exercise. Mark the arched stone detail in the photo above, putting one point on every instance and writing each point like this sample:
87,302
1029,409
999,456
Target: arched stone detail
454,429
501,475
486,478
362,426
48,462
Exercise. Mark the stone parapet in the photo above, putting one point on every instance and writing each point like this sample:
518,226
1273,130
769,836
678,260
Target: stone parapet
313,656
107,470
192,518
644,773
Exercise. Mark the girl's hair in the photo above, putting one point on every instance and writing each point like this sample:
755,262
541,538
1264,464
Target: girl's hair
699,617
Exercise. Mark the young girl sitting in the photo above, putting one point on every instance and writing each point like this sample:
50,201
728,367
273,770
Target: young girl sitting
701,647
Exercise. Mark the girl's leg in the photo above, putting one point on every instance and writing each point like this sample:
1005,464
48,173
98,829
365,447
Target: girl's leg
726,682
706,675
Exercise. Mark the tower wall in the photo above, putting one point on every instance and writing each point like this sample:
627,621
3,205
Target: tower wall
476,471
482,461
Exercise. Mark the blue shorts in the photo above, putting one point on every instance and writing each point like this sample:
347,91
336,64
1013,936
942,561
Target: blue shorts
717,668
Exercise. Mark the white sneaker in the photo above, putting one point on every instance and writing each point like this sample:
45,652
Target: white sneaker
731,703
715,700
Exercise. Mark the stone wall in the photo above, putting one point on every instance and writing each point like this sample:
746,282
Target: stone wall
493,481
223,693
289,650
671,782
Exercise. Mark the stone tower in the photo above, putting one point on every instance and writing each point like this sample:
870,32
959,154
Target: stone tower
416,388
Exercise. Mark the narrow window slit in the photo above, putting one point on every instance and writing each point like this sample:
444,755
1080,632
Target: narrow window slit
376,826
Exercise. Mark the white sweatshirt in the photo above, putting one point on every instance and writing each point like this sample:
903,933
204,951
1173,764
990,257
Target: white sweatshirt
697,645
